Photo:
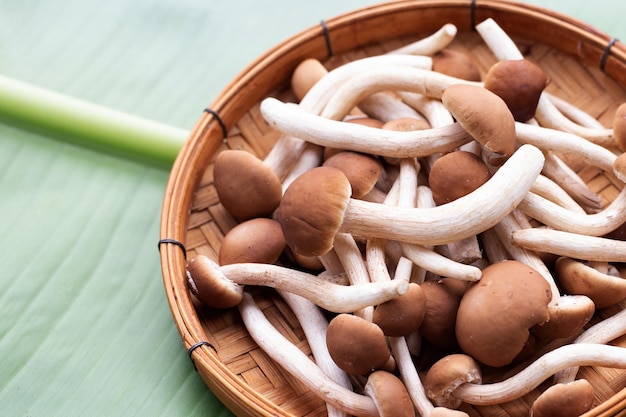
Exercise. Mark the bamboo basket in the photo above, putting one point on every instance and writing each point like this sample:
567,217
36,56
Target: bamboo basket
585,66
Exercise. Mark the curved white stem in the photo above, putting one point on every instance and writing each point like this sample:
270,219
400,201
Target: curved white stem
581,354
294,361
431,44
573,245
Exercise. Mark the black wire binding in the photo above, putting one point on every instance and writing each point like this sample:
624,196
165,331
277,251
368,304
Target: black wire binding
196,346
329,45
606,53
174,242
472,13
220,121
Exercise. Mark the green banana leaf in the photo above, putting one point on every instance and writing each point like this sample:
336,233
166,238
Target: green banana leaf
85,328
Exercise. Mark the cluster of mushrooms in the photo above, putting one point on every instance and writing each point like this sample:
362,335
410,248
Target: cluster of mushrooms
432,229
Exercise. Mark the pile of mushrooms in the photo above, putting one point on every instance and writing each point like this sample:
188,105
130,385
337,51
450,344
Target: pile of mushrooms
421,220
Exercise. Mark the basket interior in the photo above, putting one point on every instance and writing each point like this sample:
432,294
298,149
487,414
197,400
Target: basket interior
240,373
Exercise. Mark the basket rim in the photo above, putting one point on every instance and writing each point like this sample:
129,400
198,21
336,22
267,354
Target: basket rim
593,46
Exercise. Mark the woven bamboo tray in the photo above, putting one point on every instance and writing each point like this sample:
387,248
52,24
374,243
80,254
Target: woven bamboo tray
586,67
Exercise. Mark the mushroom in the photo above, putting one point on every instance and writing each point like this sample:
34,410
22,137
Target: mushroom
456,174
246,187
389,394
547,114
207,277
297,363
431,44
573,245
577,278
447,374
305,76
362,170
309,228
619,127
580,354
402,315
357,346
510,298
291,120
456,64
257,240
519,83
564,400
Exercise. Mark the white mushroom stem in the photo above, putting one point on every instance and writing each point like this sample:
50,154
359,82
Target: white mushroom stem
504,229
310,156
388,78
410,377
314,325
386,107
576,114
464,217
566,144
559,172
580,354
422,256
557,217
332,297
289,147
298,364
550,190
573,245
547,114
602,333
291,120
350,257
432,109
431,44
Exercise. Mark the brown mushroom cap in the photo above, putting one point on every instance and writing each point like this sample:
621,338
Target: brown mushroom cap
485,116
456,64
406,124
257,240
456,174
310,221
445,375
362,170
389,394
619,127
356,345
495,314
519,83
567,318
402,315
210,286
564,400
576,277
246,187
442,302
306,75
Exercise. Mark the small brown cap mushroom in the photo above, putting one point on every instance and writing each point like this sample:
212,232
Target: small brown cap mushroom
356,345
619,167
447,374
306,75
496,313
456,174
456,64
568,317
362,170
246,187
564,400
406,124
210,285
576,277
257,240
619,127
442,302
389,395
485,116
519,83
311,211
402,315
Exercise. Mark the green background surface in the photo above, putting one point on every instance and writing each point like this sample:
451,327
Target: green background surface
85,329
